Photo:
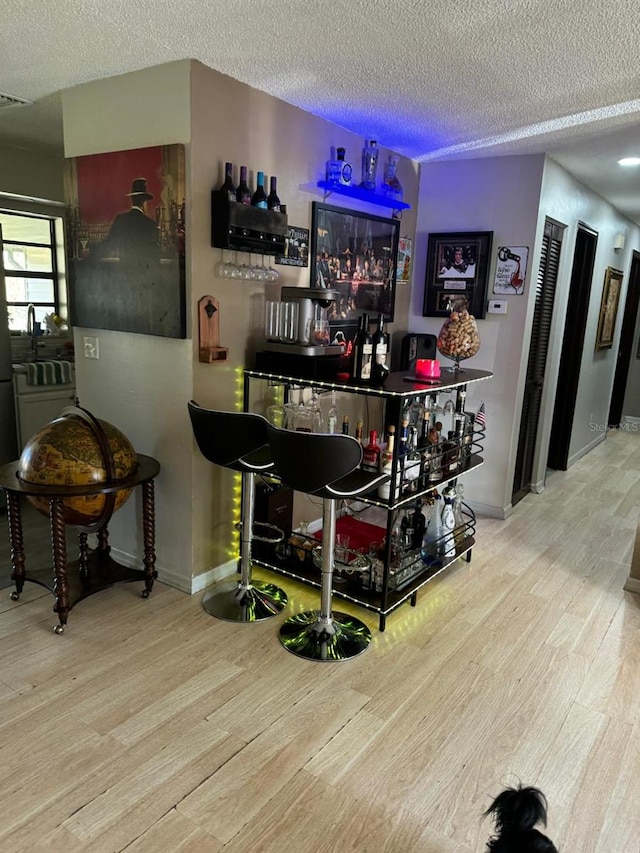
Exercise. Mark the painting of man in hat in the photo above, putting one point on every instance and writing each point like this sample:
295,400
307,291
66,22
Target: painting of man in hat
126,235
133,231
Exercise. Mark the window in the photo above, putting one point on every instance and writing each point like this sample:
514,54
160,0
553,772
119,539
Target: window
30,263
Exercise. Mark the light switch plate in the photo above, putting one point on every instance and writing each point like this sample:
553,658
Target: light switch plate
497,306
91,347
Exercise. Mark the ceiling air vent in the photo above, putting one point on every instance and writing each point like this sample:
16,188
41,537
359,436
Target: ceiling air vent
12,100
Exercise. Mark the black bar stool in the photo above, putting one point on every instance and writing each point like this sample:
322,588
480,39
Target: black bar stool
239,441
325,465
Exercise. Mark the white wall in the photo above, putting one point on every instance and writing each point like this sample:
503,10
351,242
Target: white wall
140,382
498,194
31,174
511,196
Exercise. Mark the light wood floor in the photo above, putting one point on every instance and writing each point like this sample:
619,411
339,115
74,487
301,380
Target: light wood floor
150,726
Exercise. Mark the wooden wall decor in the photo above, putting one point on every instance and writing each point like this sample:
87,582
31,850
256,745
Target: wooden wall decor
209,331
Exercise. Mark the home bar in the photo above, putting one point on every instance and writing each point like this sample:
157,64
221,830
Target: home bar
329,590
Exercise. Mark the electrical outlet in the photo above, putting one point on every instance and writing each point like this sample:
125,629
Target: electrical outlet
91,349
497,306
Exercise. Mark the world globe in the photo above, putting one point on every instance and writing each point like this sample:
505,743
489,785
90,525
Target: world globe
77,449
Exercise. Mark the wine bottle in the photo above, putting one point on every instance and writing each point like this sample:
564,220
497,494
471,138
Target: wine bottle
228,186
273,202
379,367
259,198
243,193
363,352
359,431
386,464
345,425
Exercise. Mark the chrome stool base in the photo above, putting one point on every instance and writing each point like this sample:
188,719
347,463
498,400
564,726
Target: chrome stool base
234,602
314,637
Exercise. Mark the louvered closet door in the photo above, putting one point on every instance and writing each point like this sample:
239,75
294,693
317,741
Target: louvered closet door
543,312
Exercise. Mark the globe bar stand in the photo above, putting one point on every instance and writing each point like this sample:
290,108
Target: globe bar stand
92,571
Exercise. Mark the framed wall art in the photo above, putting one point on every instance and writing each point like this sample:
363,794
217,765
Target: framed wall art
511,270
457,272
354,253
609,308
126,237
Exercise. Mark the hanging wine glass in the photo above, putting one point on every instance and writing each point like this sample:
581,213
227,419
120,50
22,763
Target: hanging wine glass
245,271
232,270
221,267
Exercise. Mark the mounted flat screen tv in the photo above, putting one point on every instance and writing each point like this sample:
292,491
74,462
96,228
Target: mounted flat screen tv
356,254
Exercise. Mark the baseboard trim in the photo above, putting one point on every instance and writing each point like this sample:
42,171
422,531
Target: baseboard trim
489,510
587,449
632,585
177,581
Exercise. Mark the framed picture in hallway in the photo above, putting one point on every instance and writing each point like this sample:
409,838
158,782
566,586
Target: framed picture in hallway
609,308
457,272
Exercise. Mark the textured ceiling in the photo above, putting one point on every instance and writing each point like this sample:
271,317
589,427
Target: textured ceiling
447,79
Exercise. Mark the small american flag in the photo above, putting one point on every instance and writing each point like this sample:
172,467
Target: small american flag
480,418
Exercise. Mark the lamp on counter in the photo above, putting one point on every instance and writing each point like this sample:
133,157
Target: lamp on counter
618,241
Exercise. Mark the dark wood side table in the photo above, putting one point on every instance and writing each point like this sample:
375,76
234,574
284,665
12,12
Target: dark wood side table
92,571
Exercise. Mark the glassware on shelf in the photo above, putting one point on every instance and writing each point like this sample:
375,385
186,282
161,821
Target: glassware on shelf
458,338
314,412
272,320
289,322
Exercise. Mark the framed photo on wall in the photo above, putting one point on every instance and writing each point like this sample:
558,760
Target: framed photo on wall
609,308
457,272
356,254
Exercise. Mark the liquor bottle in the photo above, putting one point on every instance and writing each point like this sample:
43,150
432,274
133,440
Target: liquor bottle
391,185
448,523
369,164
418,524
386,464
338,170
371,454
425,426
345,425
228,186
413,462
273,202
346,170
243,193
461,530
259,198
363,352
432,541
379,367
359,431
332,417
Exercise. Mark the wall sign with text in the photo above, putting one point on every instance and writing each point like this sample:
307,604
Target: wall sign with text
511,270
296,248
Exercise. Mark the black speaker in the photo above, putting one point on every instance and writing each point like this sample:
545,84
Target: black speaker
417,346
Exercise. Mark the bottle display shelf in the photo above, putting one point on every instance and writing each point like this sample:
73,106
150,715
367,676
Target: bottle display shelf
363,195
362,582
436,443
